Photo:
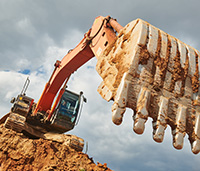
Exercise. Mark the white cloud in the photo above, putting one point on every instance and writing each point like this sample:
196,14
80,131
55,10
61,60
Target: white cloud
24,26
11,84
34,35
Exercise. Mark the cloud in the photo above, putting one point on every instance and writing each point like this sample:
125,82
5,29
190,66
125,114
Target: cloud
34,34
24,26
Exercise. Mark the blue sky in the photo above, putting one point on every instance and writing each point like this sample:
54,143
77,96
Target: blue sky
34,34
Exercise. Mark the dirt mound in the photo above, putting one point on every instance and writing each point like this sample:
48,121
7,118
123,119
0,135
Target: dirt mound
18,152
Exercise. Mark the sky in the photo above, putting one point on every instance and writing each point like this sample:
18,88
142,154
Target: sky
34,34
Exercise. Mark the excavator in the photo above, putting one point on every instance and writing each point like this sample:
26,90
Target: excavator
142,68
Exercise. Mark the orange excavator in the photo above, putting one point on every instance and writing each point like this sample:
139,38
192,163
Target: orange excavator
44,118
142,67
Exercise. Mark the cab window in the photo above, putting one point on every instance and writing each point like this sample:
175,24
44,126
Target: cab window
69,105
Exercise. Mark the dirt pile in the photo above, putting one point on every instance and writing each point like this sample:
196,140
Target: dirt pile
18,152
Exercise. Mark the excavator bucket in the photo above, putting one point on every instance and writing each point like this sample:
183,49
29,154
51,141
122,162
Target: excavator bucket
157,76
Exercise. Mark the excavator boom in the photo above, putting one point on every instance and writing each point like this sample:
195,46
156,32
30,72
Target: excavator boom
94,42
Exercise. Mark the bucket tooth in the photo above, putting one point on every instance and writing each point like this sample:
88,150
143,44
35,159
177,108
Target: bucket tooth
153,40
196,146
179,131
146,76
105,92
182,50
188,88
161,123
196,101
192,61
157,78
193,72
142,110
119,105
159,133
163,55
196,143
117,113
173,51
164,40
177,88
167,81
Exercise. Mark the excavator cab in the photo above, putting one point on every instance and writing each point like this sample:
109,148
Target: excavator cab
67,111
22,104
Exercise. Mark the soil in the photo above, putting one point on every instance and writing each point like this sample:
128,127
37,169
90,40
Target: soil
17,152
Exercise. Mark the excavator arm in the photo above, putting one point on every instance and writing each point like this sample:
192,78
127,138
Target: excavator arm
63,69
101,35
47,119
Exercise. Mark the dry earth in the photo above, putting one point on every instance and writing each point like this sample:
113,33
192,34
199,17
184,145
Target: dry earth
18,152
